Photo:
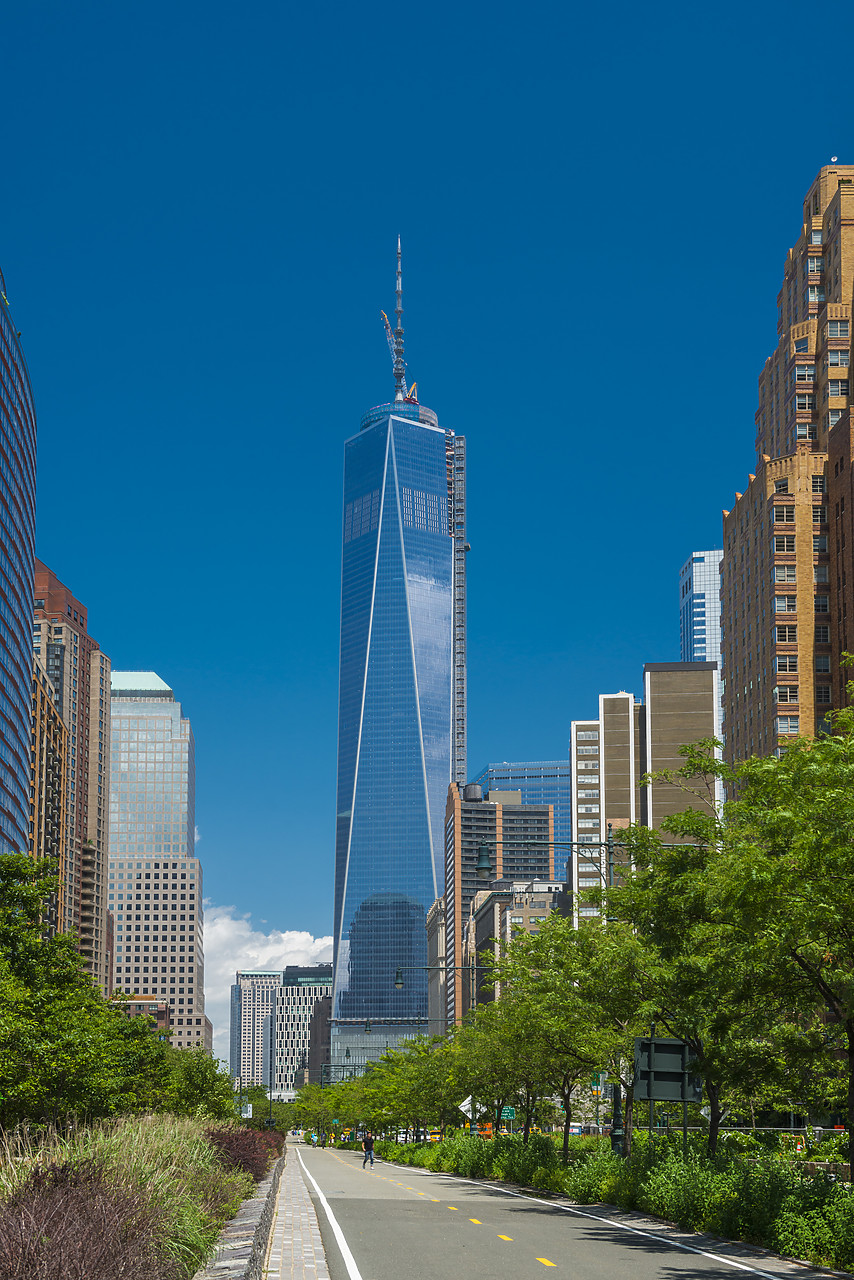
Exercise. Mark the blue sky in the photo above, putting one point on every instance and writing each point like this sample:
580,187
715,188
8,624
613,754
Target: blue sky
198,226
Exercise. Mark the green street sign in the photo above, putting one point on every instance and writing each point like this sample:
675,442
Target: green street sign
508,1113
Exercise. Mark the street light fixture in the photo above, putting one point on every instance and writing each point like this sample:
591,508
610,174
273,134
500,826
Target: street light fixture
483,866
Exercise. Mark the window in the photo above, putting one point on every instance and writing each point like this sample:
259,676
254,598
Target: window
839,358
815,237
822,634
838,387
786,662
806,431
787,724
815,264
804,400
784,515
781,486
819,543
786,635
820,572
586,736
821,604
818,484
801,346
837,329
785,543
804,373
822,662
784,573
819,515
833,417
815,293
586,751
785,604
786,693
822,693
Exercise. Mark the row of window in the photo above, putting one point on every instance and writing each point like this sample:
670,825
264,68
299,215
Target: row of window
789,634
785,543
789,604
786,573
786,515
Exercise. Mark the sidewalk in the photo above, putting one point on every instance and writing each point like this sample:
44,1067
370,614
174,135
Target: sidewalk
296,1250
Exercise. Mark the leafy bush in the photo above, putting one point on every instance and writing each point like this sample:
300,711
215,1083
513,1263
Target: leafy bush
71,1222
249,1150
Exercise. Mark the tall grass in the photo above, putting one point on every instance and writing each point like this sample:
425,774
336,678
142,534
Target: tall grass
166,1159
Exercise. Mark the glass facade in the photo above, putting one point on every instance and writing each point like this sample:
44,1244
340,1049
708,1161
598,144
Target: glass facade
17,556
155,888
700,607
395,708
541,782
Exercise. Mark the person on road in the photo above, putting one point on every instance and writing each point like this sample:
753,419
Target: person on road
368,1148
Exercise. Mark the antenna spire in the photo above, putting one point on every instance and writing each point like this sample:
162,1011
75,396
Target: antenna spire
399,362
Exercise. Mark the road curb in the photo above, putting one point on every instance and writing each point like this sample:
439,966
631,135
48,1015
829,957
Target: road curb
241,1246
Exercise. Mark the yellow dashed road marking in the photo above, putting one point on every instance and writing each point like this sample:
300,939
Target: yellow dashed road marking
546,1262
454,1207
505,1238
476,1221
433,1198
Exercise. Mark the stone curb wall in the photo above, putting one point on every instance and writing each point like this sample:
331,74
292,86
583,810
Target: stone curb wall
242,1245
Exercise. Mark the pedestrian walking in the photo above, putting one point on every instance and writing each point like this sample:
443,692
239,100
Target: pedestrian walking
368,1148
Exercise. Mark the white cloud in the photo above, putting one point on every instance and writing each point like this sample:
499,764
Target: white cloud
197,835
231,943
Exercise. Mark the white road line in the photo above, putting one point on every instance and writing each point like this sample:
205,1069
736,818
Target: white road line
349,1260
609,1222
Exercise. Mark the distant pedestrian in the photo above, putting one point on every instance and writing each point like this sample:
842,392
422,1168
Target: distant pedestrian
368,1148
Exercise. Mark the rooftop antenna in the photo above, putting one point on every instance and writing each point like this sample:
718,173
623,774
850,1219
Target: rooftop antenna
399,362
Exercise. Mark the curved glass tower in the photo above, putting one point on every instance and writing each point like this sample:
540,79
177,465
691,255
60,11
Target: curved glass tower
401,711
17,555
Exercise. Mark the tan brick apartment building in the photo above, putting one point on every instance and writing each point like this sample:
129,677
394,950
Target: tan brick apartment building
778,592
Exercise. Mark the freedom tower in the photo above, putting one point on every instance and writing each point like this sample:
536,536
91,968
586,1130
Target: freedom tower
401,711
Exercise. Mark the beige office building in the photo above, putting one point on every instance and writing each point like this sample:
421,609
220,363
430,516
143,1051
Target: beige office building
631,738
776,602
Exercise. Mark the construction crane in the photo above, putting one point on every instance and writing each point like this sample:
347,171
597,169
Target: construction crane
389,335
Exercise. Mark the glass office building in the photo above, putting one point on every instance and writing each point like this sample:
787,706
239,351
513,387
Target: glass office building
401,711
159,948
17,542
700,607
540,782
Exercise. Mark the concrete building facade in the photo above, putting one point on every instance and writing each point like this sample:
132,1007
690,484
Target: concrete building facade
253,995
80,675
497,915
631,738
287,1028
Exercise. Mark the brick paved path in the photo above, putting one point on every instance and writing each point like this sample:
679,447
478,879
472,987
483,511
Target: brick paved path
296,1250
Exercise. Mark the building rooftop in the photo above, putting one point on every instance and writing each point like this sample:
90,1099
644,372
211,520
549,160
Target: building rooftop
137,682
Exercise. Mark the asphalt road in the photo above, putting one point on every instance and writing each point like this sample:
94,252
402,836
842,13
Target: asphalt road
393,1223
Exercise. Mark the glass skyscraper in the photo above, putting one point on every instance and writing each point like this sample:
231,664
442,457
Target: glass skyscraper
401,727
700,607
155,889
17,542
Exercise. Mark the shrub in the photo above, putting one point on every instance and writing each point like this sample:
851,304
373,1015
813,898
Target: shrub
249,1150
70,1222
